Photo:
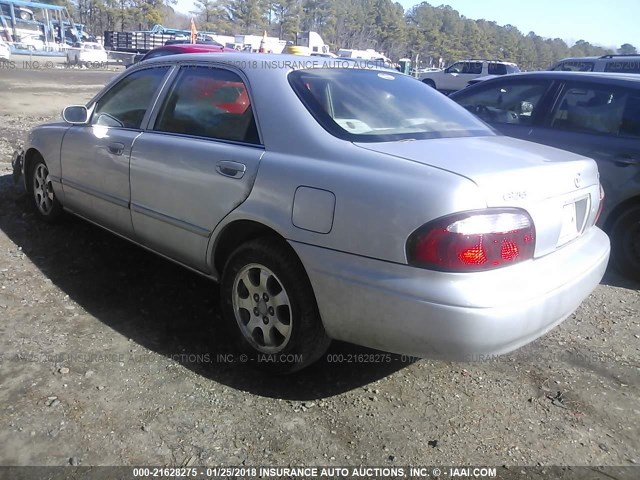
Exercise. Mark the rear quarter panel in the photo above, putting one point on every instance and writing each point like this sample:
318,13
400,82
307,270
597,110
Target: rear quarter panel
379,200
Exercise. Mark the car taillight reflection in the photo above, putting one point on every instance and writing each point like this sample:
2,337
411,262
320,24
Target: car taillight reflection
473,241
601,205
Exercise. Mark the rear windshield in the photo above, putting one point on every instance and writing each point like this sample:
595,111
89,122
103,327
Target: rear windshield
378,105
159,53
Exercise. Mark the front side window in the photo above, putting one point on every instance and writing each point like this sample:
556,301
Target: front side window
455,68
126,103
209,102
592,109
466,67
506,102
367,105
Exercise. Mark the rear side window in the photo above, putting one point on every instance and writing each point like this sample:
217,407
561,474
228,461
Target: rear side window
595,109
626,66
505,102
497,69
208,102
126,103
574,66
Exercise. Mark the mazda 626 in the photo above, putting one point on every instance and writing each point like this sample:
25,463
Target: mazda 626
329,202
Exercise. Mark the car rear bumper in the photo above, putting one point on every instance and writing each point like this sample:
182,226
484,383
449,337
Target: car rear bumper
452,316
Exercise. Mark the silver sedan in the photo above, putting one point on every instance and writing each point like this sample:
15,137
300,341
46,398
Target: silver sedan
330,201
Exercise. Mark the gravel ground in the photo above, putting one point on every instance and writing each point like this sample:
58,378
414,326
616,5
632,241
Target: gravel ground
113,356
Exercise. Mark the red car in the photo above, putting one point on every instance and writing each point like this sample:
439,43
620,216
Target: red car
178,48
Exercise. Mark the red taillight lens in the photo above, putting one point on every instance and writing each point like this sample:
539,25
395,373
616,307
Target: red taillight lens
473,241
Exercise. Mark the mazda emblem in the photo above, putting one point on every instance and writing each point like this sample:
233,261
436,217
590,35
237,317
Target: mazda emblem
577,180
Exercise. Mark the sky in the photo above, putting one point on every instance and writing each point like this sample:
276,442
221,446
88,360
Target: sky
606,23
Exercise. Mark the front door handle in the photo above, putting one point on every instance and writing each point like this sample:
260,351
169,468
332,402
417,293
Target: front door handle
231,169
116,148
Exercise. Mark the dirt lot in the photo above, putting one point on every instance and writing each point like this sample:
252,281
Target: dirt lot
110,356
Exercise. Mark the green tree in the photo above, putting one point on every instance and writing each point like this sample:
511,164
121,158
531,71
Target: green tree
248,16
627,49
212,16
287,13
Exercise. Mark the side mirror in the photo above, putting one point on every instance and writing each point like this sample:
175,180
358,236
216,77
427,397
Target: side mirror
75,114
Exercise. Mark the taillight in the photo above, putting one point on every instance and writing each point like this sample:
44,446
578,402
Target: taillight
473,241
601,205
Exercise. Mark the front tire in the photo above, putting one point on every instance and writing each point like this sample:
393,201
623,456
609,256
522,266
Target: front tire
625,243
269,307
429,83
43,198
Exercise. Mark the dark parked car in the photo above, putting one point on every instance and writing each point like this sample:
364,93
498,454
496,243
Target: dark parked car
593,114
605,63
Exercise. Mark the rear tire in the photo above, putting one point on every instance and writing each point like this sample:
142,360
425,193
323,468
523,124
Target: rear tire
625,243
43,198
269,307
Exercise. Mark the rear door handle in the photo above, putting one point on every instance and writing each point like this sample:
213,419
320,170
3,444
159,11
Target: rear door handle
231,169
626,159
116,148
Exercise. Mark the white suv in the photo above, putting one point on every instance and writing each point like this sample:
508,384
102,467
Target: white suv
456,76
606,63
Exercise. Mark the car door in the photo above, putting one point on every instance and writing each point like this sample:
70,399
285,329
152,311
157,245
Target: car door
195,163
514,106
600,121
459,74
95,157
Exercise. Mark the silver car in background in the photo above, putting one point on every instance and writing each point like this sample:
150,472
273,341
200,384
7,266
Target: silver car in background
355,204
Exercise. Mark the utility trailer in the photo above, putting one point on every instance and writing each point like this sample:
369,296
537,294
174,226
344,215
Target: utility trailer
124,46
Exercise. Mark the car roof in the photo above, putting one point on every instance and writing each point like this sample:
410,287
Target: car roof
602,57
503,62
267,63
577,59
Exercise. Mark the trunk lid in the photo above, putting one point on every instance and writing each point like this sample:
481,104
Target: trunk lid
559,189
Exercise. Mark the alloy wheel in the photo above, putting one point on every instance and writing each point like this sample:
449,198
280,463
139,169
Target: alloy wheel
43,189
262,308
